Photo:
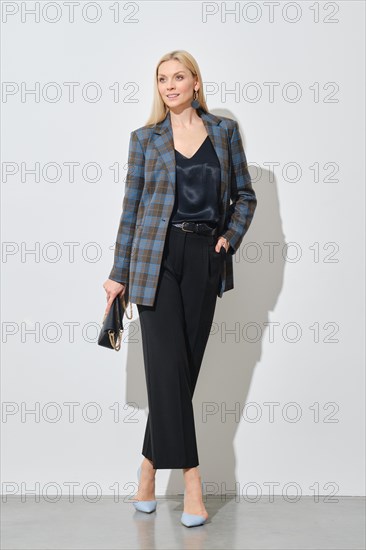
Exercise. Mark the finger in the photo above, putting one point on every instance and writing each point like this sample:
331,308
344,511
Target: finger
109,303
224,243
219,244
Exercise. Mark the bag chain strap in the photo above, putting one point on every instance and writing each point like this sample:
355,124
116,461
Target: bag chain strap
117,344
125,306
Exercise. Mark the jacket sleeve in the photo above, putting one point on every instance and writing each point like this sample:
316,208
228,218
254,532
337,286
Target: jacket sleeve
133,191
244,201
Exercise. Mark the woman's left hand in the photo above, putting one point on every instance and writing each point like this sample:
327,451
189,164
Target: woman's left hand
221,241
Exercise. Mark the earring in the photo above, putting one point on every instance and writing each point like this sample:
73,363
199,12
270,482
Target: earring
195,103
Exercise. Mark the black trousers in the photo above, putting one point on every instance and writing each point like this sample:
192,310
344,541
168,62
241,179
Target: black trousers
174,332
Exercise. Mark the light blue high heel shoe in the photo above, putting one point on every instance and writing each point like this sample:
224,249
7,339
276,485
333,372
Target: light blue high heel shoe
147,506
192,520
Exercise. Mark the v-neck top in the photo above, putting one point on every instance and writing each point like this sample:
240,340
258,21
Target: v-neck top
198,181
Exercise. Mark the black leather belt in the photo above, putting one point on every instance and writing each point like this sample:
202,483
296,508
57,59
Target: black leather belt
193,227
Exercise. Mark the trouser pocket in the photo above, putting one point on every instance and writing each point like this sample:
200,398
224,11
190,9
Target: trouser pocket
216,260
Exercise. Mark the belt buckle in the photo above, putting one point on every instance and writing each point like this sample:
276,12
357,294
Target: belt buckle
187,230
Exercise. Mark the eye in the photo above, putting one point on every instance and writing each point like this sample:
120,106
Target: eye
180,76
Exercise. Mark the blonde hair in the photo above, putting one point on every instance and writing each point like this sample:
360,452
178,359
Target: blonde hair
159,109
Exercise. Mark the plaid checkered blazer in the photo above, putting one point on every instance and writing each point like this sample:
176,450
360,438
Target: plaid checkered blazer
149,199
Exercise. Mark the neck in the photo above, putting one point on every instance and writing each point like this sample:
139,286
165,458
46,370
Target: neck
184,118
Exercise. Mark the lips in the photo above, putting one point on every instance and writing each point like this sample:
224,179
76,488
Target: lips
172,96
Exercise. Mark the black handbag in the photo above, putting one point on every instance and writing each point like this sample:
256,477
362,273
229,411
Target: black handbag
111,333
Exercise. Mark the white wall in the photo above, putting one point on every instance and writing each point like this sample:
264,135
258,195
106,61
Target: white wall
306,158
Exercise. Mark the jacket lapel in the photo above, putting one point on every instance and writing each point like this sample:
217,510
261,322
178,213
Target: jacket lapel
163,141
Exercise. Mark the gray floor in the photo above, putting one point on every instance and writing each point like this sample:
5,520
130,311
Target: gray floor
233,524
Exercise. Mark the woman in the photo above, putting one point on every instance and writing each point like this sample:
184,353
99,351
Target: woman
173,257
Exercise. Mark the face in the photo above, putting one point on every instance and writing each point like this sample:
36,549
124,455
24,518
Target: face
176,84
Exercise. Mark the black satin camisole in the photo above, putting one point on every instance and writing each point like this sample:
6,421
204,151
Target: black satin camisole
198,181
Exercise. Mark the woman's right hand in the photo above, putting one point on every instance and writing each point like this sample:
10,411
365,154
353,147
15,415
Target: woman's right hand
112,289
